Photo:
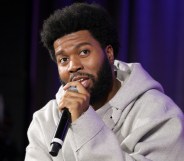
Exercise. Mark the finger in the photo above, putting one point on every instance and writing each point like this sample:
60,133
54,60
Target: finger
70,96
78,85
75,105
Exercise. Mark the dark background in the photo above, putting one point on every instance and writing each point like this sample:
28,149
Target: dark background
151,32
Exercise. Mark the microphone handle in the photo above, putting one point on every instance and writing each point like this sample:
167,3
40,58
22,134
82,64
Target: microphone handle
61,132
62,129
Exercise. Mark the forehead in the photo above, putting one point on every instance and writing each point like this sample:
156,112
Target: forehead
78,36
74,41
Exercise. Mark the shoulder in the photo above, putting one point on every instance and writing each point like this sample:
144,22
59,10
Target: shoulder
43,123
47,113
154,103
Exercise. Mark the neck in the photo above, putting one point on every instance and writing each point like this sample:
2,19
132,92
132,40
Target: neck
115,87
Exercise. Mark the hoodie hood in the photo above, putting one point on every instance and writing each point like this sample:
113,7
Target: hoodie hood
136,81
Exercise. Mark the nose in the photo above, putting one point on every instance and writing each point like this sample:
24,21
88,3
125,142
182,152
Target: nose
75,65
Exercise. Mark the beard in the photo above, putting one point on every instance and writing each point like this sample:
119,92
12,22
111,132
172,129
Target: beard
102,85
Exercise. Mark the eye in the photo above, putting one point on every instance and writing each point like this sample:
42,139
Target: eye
63,60
84,52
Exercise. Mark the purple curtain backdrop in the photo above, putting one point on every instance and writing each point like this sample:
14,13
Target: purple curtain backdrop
151,32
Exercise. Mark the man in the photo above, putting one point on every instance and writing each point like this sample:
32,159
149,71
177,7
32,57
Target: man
119,112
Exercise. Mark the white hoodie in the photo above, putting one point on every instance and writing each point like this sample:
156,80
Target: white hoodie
139,123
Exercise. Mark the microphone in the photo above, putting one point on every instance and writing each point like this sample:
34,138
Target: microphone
62,129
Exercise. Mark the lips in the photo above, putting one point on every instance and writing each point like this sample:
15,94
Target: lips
84,80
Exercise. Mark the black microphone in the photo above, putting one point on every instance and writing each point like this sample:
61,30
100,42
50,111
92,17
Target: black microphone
62,129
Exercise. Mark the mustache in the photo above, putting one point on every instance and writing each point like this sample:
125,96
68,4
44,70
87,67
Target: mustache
90,76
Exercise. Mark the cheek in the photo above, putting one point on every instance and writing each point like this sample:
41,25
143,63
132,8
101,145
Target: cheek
63,74
92,67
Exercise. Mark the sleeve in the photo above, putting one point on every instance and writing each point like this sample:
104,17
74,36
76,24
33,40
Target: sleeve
36,150
156,140
153,129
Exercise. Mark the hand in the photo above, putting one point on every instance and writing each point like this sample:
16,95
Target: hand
76,102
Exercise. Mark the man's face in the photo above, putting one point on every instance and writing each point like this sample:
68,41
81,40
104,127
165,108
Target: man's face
80,58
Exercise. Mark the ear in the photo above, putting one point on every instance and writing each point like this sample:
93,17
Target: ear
110,54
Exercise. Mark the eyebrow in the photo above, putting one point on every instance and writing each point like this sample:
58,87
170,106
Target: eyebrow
59,50
82,44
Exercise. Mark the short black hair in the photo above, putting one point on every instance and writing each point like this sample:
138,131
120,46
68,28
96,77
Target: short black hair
76,17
